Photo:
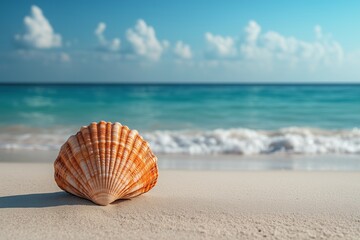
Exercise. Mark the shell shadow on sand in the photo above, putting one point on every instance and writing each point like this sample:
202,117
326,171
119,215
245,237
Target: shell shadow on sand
43,200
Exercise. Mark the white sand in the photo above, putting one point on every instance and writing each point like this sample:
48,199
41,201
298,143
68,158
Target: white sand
186,205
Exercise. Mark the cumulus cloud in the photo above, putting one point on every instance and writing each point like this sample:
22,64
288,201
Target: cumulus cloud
249,48
220,46
104,44
39,32
144,41
273,46
253,31
182,50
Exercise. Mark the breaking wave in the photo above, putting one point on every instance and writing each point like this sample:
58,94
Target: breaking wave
292,140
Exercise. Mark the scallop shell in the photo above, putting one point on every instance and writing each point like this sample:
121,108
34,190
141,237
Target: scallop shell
105,162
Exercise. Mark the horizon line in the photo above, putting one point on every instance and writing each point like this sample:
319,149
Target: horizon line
178,83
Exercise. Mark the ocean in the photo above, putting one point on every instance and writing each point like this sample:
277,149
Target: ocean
189,119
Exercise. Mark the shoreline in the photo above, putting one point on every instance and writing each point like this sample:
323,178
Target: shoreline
186,204
277,161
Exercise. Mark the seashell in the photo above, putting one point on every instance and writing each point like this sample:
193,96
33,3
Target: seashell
105,162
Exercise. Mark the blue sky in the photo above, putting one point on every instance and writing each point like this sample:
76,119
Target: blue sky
172,41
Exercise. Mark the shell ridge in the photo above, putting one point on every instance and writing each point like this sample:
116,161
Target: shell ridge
85,137
128,170
139,182
116,152
64,171
151,171
126,143
115,139
134,171
140,189
67,165
129,143
92,154
101,131
95,147
85,158
70,162
117,157
108,142
67,187
73,145
125,131
152,174
60,171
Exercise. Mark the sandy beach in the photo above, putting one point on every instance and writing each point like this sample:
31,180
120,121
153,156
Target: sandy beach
236,119
186,205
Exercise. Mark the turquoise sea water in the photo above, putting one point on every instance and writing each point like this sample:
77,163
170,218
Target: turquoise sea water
153,107
244,119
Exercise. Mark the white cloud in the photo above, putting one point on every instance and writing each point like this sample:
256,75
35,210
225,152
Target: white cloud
249,48
273,46
144,42
113,45
253,31
318,32
182,50
219,46
41,56
39,32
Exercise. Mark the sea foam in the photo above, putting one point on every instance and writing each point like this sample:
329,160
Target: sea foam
241,141
251,142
